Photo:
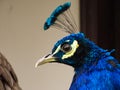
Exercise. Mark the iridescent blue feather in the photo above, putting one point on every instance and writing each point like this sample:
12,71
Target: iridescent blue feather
60,9
62,19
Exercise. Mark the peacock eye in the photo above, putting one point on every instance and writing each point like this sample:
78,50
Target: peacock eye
66,47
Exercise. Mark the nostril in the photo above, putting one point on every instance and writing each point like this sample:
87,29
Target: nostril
47,55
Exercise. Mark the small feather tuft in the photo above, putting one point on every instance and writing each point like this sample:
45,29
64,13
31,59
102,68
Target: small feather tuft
61,18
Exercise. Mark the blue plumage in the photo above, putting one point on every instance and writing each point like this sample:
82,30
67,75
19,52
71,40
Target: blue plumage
95,68
98,71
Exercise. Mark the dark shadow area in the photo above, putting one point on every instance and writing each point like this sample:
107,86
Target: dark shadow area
100,21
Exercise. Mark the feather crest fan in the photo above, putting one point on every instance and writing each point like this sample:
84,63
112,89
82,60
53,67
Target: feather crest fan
61,18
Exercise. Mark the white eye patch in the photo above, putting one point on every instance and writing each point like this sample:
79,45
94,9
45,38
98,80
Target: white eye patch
74,46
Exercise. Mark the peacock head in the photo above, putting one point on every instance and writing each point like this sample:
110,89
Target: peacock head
72,49
68,51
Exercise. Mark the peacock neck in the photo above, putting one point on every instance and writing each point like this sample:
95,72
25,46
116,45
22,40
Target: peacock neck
92,58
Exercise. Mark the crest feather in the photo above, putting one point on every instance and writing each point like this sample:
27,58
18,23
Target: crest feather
61,18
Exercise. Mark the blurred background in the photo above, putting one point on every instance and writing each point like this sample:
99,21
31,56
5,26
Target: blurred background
23,42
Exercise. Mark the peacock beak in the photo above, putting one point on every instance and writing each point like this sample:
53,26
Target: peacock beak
46,59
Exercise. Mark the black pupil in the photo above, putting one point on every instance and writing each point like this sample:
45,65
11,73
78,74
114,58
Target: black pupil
66,47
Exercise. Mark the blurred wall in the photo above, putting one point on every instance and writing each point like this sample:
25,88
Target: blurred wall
23,42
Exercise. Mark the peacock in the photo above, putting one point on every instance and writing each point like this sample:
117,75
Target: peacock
95,68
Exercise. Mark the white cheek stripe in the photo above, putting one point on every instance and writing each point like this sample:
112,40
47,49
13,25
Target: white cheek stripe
74,46
57,50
